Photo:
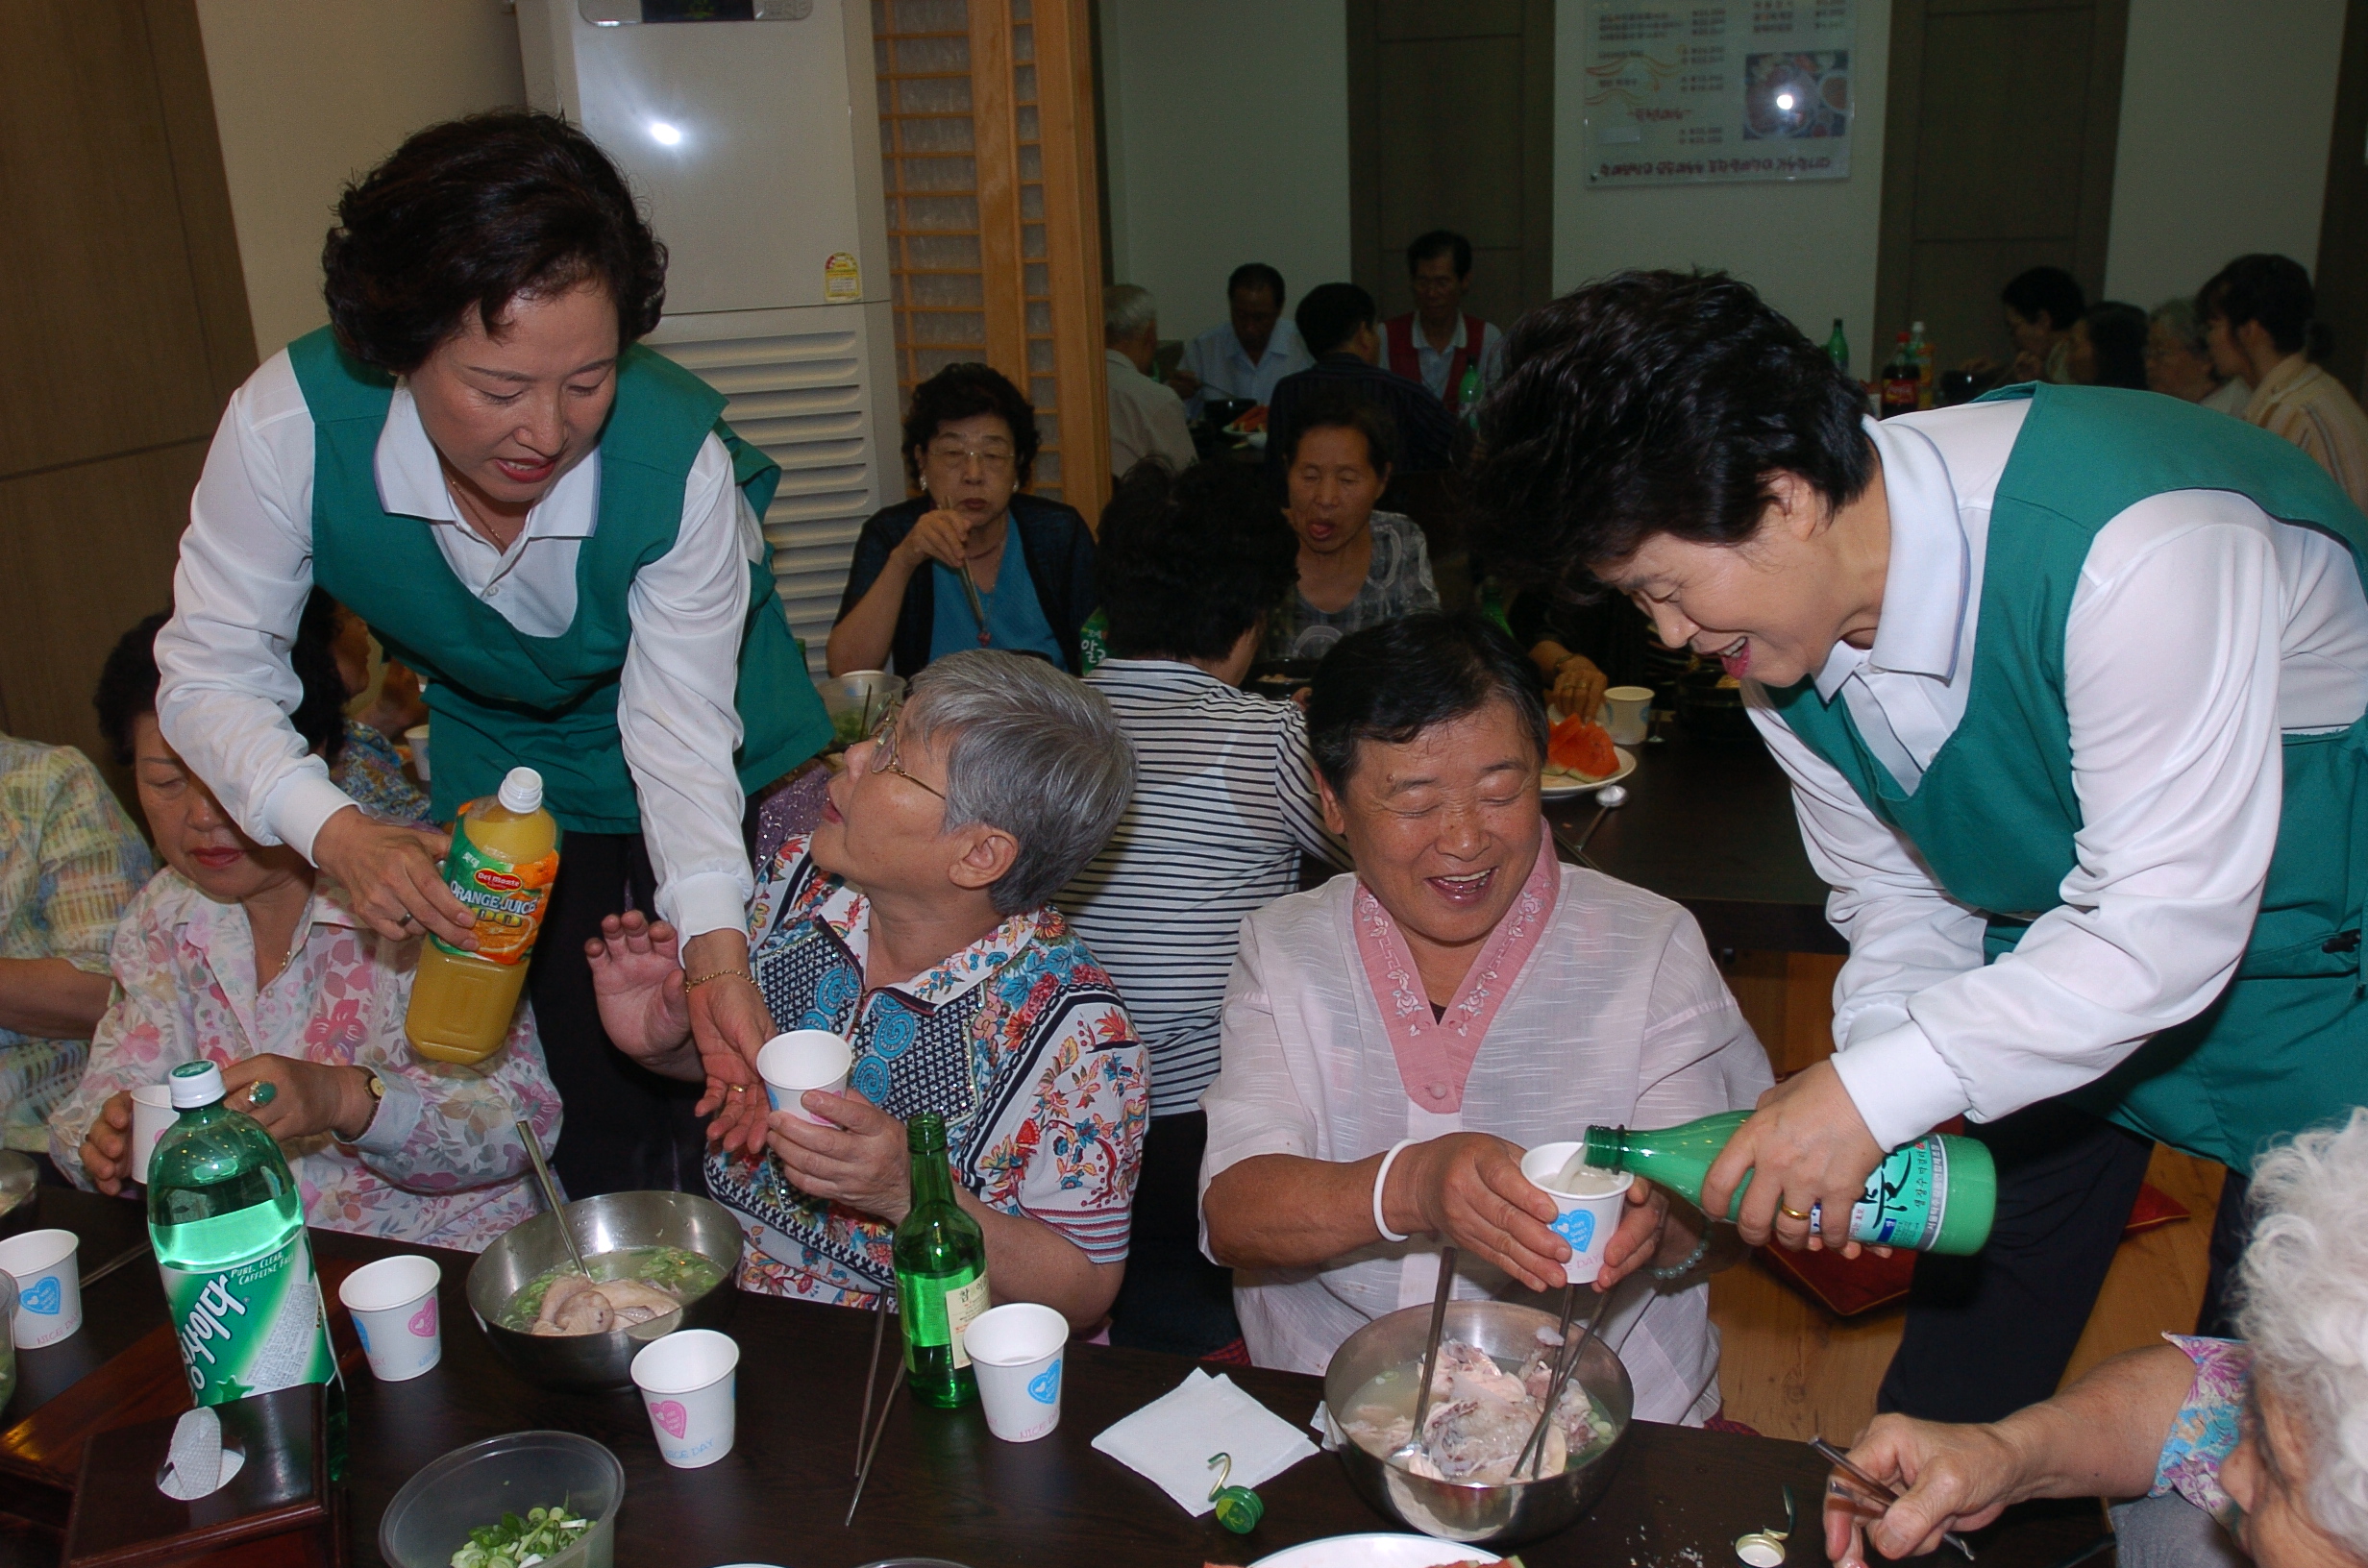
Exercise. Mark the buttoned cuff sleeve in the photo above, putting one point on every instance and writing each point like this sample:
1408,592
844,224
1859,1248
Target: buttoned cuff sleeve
1900,1084
704,901
302,802
398,1116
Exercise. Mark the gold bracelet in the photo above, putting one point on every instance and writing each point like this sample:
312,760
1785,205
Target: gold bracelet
690,984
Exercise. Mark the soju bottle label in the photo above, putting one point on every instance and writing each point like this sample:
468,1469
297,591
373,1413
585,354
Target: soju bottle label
251,1328
1905,1197
937,1309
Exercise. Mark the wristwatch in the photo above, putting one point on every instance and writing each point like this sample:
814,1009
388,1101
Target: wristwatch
377,1097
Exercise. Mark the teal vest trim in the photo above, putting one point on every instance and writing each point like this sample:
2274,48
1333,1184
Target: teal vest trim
501,698
1995,816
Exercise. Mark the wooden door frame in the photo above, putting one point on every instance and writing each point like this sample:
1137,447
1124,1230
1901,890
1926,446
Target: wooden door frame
1903,107
2341,273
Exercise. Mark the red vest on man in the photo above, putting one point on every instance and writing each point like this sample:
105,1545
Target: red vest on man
1398,342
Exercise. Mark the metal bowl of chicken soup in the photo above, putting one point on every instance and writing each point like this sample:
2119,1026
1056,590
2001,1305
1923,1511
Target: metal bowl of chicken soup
658,1262
1457,1482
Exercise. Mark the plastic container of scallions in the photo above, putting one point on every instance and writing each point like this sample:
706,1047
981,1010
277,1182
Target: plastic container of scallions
471,1488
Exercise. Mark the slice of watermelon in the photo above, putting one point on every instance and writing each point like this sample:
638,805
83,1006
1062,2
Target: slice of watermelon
1578,747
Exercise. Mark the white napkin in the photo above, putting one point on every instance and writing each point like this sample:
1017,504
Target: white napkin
1170,1441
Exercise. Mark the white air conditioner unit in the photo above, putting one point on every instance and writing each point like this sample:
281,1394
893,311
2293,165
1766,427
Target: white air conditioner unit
749,128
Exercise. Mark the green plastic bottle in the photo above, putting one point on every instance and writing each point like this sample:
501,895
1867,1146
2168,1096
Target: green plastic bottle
1468,395
941,1263
1937,1194
228,1224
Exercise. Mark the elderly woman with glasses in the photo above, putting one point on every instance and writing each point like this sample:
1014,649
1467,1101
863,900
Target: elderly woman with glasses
914,922
935,574
2254,1449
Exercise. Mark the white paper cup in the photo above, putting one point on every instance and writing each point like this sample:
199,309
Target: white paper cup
416,738
152,1111
1586,1220
802,1060
1018,1353
1626,713
49,1285
688,1382
394,1305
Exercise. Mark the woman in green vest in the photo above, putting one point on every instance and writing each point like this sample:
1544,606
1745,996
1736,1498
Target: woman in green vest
555,527
2069,684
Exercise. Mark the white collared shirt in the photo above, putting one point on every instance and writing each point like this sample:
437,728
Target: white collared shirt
1434,363
1226,369
1145,418
2202,630
246,565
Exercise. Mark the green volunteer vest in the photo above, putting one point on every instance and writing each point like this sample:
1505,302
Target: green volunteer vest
2285,1046
501,698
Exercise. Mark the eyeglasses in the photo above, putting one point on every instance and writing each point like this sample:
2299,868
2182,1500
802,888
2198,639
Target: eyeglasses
993,459
884,753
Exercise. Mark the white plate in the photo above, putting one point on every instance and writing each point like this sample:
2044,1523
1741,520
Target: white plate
1570,785
1376,1551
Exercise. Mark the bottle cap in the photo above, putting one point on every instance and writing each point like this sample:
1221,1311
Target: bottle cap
194,1083
522,790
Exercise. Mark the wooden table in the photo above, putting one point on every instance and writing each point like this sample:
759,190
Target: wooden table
941,1487
1710,823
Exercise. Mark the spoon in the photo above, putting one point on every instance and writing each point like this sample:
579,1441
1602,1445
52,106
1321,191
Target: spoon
1430,1351
551,1191
1566,1363
1765,1548
1608,799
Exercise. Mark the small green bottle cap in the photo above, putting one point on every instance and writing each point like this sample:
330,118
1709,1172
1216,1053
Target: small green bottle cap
1604,1147
1973,1199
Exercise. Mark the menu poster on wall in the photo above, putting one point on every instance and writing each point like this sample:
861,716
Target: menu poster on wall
1696,90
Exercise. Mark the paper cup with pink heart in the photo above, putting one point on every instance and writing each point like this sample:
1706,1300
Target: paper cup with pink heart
1588,1202
689,1383
393,1303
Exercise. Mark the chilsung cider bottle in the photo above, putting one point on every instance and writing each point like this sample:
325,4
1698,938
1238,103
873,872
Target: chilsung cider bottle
228,1224
1937,1194
505,855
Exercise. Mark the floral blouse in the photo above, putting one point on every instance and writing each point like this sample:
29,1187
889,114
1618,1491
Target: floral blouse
70,862
370,770
1019,1040
440,1165
2206,1430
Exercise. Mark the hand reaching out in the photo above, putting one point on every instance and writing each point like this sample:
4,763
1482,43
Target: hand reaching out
636,968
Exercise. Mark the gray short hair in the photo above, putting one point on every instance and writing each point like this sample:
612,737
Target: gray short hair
1031,751
2305,1294
1126,309
2186,326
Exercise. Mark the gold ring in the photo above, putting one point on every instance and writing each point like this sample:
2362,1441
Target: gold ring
1790,1212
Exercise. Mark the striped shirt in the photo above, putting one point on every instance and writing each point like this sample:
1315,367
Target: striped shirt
2307,406
1225,803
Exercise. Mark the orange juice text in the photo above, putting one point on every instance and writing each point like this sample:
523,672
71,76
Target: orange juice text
505,855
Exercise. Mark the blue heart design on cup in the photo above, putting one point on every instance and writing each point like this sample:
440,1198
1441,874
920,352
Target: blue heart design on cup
361,1332
1577,1227
1044,1386
43,1298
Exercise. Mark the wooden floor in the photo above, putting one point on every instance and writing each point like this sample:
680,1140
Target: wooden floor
1792,1369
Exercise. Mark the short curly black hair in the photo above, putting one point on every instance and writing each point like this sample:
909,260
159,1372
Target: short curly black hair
961,392
1186,563
468,215
1654,403
1391,682
128,682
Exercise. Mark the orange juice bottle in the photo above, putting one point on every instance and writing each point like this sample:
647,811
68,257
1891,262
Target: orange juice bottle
505,855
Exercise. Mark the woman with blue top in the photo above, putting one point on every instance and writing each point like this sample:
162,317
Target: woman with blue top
552,526
935,574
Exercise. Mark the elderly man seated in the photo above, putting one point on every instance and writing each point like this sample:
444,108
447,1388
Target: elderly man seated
915,923
2243,1449
1395,1039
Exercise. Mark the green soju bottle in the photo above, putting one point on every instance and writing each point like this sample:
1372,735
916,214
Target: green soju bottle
1838,348
1936,1195
1468,394
941,1260
228,1224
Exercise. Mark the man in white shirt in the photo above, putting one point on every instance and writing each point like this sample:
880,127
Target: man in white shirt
2070,687
1250,351
1146,420
1435,343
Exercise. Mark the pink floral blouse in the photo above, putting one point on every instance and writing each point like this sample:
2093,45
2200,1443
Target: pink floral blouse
440,1165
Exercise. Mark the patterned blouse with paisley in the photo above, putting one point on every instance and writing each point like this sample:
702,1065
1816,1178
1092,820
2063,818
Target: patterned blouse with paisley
1019,1040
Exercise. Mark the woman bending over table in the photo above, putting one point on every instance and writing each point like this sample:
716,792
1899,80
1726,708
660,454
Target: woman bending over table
915,922
1395,1039
247,957
2255,1448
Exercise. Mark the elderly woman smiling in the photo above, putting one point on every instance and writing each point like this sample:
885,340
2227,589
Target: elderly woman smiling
914,922
1395,1038
2254,1448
